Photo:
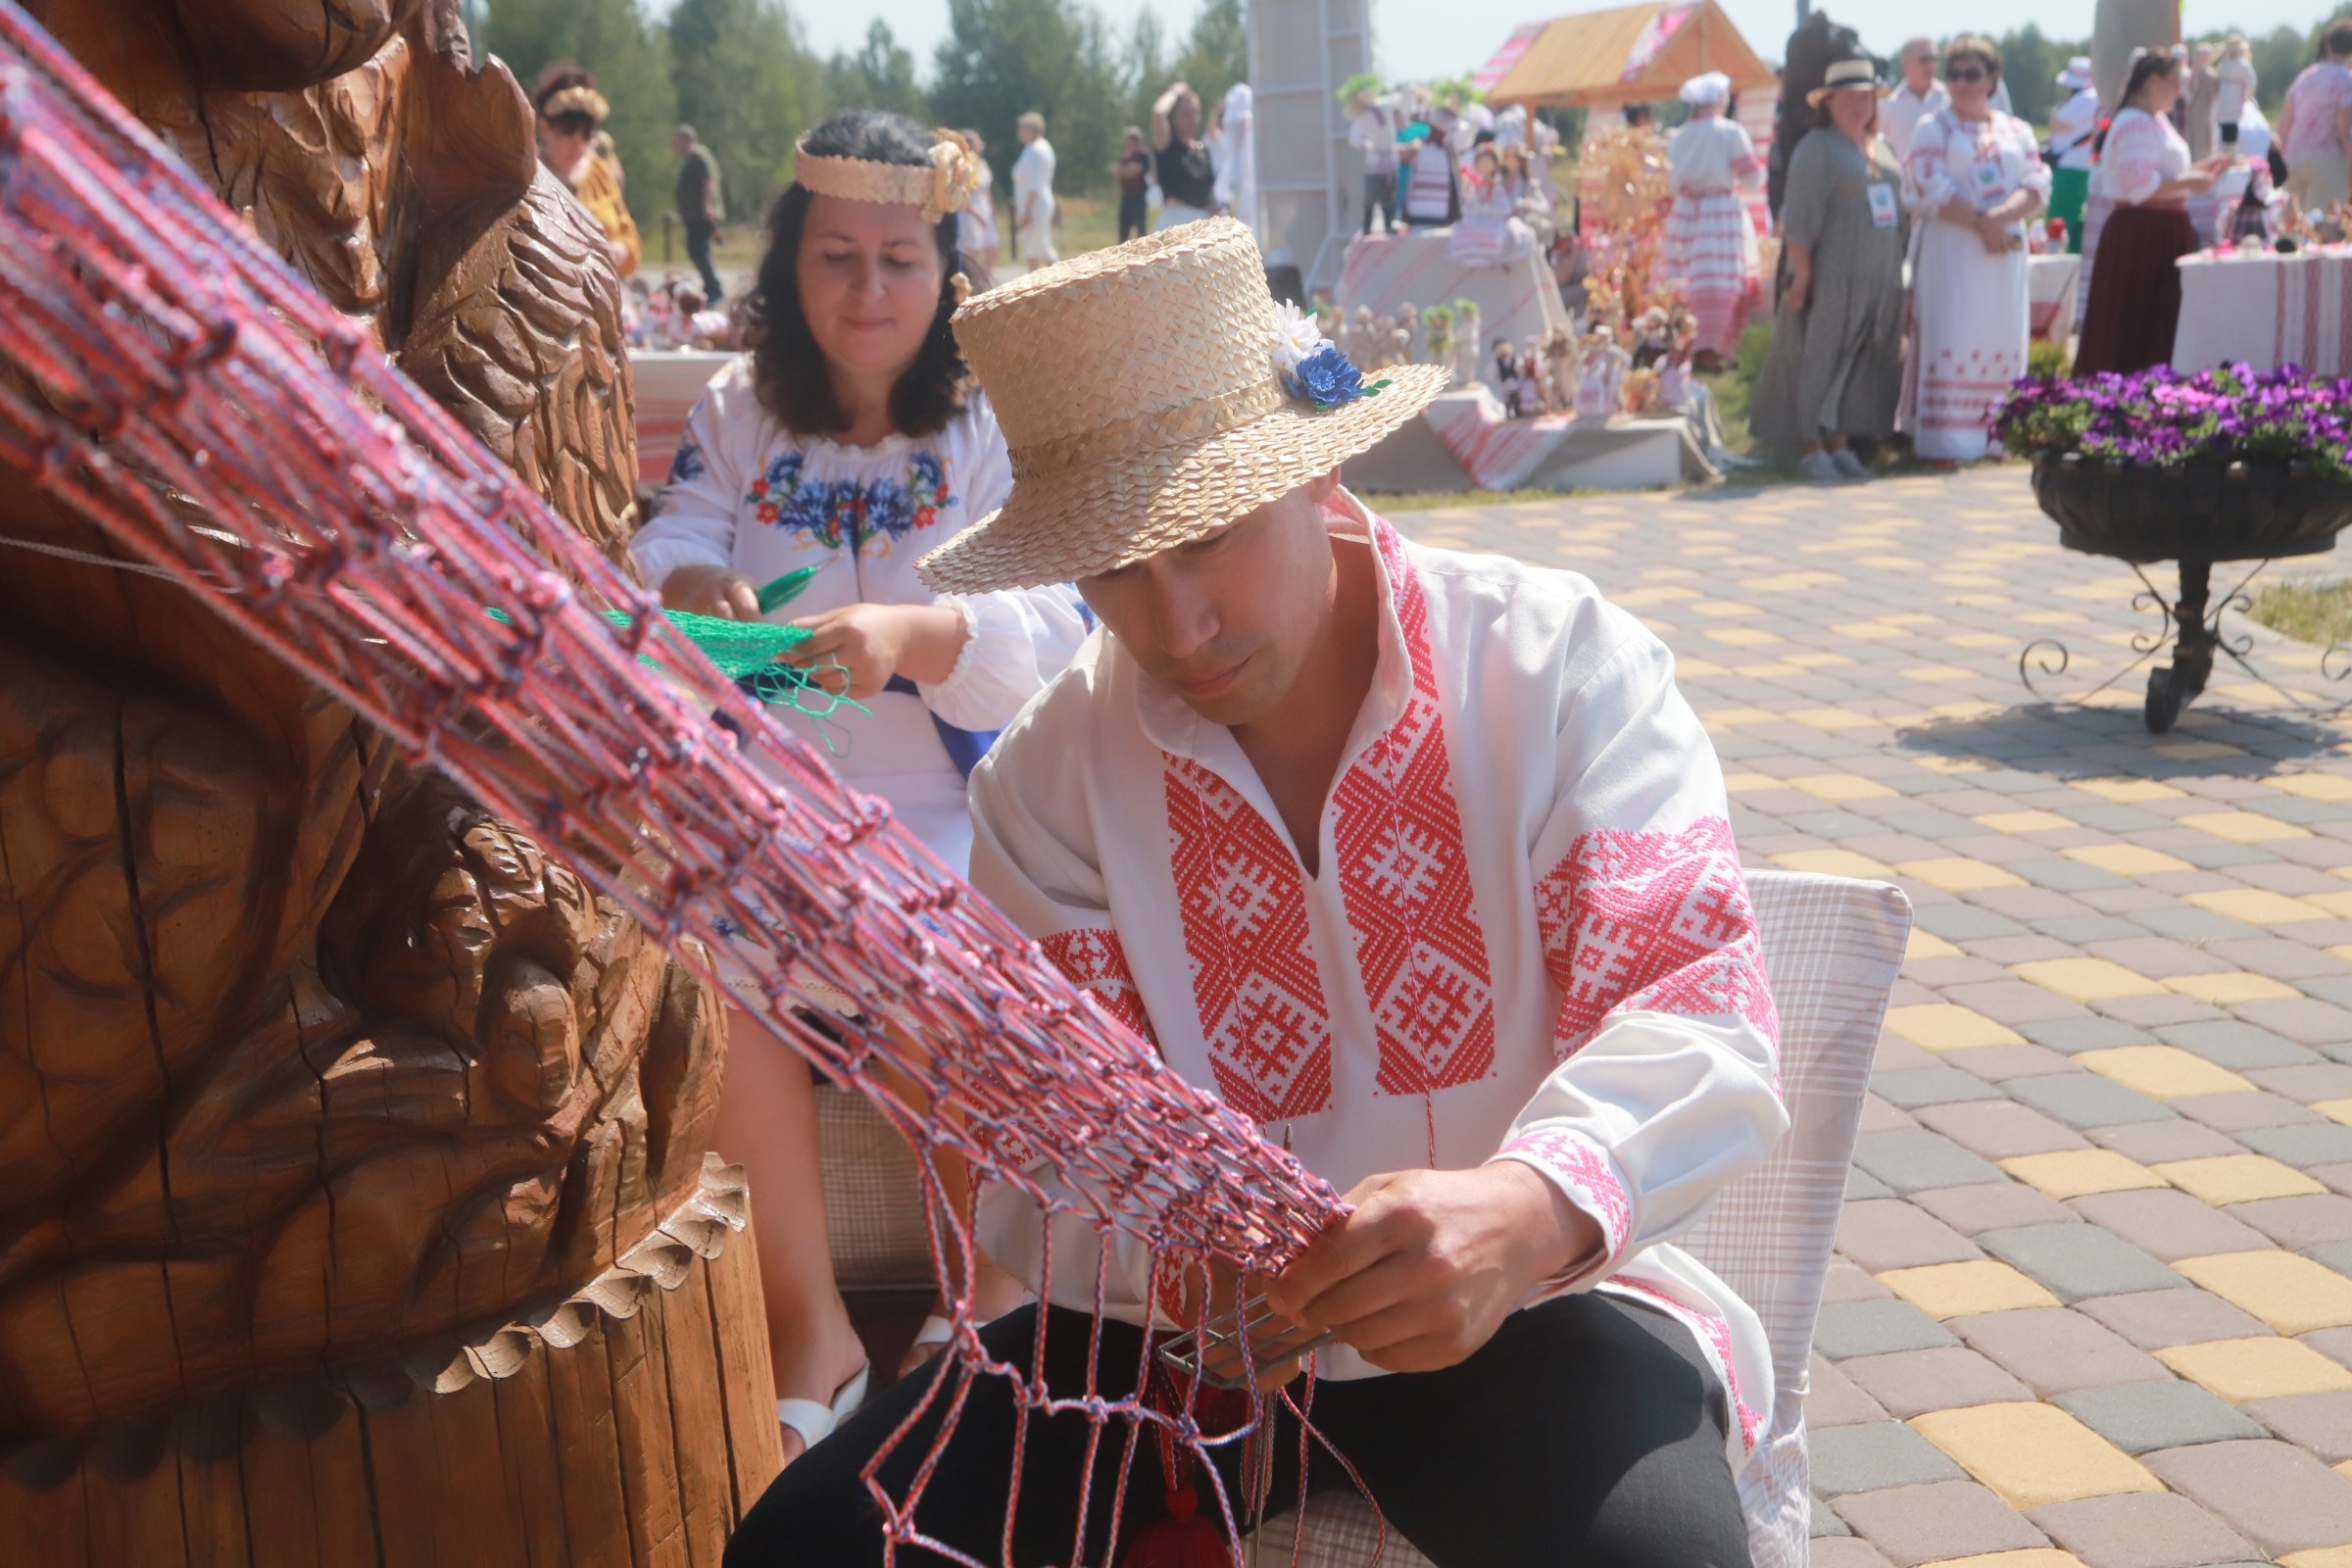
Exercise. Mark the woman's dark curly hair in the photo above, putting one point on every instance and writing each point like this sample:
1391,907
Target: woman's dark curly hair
787,367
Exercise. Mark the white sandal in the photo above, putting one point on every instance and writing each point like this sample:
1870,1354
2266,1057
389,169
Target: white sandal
815,1420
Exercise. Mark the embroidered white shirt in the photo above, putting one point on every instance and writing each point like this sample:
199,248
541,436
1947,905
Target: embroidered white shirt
1529,938
746,493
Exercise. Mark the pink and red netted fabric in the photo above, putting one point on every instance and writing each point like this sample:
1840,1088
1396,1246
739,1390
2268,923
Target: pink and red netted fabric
172,380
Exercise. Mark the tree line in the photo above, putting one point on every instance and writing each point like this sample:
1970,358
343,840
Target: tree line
2031,61
742,73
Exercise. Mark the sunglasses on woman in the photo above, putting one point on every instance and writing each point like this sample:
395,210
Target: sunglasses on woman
1966,73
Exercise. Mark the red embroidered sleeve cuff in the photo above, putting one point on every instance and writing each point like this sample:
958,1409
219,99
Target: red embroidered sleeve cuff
1587,1177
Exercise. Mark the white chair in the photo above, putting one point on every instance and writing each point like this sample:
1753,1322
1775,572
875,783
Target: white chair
1833,947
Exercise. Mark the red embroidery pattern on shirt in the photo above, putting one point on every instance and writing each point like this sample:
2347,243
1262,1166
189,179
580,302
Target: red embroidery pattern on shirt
1656,921
1577,1162
1255,979
1093,960
1404,878
1715,1338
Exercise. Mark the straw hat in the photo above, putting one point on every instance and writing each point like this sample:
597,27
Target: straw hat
1150,395
1845,75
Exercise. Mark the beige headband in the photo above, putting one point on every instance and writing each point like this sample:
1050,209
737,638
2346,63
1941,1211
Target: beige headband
581,100
940,187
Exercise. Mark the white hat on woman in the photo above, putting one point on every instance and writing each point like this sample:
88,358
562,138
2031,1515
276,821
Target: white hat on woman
2076,75
1714,87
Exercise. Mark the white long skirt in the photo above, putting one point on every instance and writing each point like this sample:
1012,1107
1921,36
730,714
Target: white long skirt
1972,318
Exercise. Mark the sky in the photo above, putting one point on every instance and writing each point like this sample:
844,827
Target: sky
1427,38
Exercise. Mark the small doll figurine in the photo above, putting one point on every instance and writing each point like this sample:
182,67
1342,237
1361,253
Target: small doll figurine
1466,339
1363,341
1600,394
1437,335
1383,338
1560,370
1506,372
1533,393
1408,335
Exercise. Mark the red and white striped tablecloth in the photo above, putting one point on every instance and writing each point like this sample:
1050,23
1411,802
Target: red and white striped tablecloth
668,383
2267,310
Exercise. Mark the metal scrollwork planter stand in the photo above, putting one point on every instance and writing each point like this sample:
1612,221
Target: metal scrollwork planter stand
2197,516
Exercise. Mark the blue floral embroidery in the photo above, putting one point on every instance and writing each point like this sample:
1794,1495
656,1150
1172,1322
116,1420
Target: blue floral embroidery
843,510
686,465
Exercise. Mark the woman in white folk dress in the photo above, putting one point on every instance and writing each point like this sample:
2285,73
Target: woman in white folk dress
848,441
1710,247
1972,178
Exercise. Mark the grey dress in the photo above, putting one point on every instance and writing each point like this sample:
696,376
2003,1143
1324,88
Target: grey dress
1837,365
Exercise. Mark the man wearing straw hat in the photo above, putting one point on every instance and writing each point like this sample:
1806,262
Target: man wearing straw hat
1416,858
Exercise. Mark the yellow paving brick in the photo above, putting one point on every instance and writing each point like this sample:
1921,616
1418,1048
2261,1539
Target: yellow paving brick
1842,787
2287,1291
1940,673
2080,1172
2025,822
2237,1179
1742,636
2127,791
1865,631
2086,979
2032,1557
2244,827
2339,905
2313,786
1926,944
1958,874
2164,1072
2127,860
2230,988
2033,1454
2268,1368
1727,609
2199,751
1663,594
1688,667
1973,709
1817,660
2318,1557
2335,1110
2258,906
1949,1026
1829,718
1833,862
1747,783
1955,1290
1734,717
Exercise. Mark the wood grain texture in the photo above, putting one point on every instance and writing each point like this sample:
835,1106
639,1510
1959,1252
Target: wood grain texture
312,1073
552,1465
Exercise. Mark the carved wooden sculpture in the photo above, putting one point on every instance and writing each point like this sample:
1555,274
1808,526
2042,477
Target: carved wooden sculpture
353,1197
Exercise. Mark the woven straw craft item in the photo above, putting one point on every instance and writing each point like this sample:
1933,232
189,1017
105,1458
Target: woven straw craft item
1137,391
942,186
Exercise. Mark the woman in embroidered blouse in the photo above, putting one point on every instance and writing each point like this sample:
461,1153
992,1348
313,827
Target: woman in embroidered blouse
848,441
1972,179
2144,172
1491,233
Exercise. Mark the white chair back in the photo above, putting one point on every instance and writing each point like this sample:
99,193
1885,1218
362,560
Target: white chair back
1833,947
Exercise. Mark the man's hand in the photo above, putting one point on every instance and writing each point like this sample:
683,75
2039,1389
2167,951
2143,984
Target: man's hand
1429,1262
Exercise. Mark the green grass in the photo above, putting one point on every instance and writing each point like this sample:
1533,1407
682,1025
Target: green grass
2307,612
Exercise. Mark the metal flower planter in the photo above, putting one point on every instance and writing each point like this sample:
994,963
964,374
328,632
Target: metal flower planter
2195,515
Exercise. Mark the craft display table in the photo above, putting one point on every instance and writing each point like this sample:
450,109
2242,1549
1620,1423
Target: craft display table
2267,310
1519,301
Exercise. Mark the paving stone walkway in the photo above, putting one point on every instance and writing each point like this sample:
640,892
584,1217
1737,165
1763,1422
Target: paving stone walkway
2091,1302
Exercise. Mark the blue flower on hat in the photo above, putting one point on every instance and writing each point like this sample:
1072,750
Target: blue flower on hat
1327,380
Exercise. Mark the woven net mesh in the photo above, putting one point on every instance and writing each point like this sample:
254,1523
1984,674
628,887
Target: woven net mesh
159,368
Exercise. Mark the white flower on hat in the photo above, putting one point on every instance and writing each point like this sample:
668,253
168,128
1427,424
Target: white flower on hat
1295,335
